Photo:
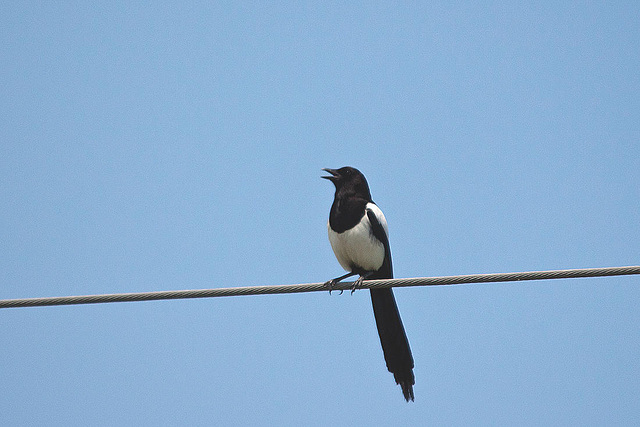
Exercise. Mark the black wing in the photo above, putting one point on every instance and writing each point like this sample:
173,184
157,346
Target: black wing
386,271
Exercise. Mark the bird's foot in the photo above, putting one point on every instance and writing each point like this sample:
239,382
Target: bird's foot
330,284
357,284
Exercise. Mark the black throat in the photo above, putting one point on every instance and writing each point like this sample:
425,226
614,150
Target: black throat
346,212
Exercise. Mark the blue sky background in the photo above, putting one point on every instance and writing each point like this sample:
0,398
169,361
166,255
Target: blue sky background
156,146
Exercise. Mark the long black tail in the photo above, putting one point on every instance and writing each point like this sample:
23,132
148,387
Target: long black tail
395,345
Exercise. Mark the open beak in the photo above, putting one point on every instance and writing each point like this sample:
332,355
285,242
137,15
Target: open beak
334,175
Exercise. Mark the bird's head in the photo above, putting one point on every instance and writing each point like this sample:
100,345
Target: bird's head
349,180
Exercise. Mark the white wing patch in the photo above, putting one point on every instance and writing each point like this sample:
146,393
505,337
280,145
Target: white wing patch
356,247
380,216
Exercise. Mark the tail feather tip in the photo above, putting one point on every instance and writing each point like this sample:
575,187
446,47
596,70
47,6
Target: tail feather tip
407,391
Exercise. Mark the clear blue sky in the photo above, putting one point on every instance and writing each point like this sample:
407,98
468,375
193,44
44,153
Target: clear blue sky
156,146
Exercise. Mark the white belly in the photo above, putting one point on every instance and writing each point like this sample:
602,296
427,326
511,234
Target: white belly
357,248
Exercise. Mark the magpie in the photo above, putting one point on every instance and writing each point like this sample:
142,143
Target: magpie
360,241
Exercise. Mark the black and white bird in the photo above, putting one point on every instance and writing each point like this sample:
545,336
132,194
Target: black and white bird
360,240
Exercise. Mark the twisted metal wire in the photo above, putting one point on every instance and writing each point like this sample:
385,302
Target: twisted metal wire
315,287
